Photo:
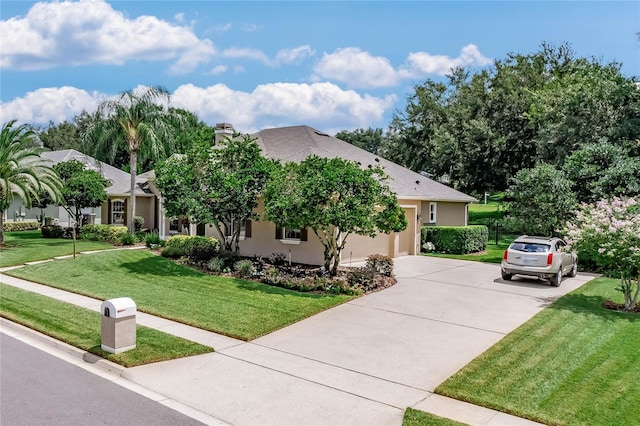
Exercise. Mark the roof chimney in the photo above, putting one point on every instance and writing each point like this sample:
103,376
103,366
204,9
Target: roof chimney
223,130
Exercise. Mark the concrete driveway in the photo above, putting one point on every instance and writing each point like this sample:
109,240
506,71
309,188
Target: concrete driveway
365,361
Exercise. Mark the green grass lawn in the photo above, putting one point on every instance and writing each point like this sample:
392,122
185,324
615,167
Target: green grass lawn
28,246
420,418
80,327
575,363
234,307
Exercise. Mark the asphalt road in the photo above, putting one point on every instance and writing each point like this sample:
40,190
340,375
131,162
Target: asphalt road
38,389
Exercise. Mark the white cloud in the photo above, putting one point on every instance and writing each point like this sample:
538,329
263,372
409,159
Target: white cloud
296,54
55,104
248,53
223,28
322,105
356,68
219,69
179,17
91,31
421,64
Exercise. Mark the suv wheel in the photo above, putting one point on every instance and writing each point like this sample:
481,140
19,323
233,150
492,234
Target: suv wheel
505,276
556,279
574,270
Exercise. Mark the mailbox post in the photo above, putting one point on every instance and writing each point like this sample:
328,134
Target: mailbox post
118,325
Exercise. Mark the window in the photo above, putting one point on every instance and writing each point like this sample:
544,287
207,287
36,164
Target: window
292,234
245,229
433,209
117,212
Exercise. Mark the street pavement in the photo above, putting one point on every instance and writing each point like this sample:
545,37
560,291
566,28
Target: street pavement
360,363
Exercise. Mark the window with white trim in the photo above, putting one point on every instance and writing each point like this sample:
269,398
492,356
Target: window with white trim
292,234
117,212
433,210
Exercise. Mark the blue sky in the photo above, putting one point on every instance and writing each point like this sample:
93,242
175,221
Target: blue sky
331,65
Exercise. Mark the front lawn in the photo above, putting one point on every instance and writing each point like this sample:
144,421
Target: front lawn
420,418
80,327
234,307
575,363
29,246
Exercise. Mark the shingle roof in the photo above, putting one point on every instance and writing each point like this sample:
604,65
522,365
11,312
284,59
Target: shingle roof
299,142
120,180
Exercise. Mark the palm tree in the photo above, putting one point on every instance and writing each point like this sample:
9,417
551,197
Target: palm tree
141,117
22,171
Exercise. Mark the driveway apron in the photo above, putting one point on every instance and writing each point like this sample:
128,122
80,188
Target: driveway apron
365,361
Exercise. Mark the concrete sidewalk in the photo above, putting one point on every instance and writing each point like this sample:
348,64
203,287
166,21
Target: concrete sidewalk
363,362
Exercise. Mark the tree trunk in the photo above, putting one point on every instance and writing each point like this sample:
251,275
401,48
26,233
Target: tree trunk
1,228
131,209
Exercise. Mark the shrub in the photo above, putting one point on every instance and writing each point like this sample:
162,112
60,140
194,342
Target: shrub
216,265
363,277
456,239
20,226
128,239
138,223
195,248
152,239
172,252
278,259
244,268
105,233
52,231
381,263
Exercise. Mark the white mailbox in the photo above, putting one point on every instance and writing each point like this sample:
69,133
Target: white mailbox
118,308
118,325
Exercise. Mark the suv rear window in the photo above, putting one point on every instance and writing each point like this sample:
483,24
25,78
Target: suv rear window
530,247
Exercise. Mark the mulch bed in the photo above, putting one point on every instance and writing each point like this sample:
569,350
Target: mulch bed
620,307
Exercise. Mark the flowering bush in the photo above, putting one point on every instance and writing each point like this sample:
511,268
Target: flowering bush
609,233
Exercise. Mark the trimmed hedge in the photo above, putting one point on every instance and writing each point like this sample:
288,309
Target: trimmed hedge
104,233
456,239
195,248
21,226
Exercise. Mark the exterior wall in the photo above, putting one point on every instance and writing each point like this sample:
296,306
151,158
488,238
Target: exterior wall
447,214
18,212
359,247
145,207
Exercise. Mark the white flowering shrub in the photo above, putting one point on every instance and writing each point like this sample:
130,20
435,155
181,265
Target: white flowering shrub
609,233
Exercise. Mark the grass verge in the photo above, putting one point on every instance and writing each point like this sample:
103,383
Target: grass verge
233,307
80,327
420,418
575,363
29,246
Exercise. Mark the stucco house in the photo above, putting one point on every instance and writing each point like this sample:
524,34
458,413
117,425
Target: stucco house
112,212
424,201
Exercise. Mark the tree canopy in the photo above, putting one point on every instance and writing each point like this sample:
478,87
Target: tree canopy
23,172
218,185
481,129
138,118
81,188
335,198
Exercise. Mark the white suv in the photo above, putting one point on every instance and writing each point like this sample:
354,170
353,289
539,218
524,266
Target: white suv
540,257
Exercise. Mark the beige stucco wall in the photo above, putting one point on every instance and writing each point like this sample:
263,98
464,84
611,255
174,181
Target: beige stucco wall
447,214
145,207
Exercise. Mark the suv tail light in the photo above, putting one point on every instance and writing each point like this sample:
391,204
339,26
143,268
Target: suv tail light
549,259
505,255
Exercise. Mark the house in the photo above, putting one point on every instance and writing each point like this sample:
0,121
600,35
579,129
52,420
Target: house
425,201
112,212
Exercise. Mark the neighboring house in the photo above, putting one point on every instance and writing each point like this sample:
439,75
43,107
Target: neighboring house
425,201
112,212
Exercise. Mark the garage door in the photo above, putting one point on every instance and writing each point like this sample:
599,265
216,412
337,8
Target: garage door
407,237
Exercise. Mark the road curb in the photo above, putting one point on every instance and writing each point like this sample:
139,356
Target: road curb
80,354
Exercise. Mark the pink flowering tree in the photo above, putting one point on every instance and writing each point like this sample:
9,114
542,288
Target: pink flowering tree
609,233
